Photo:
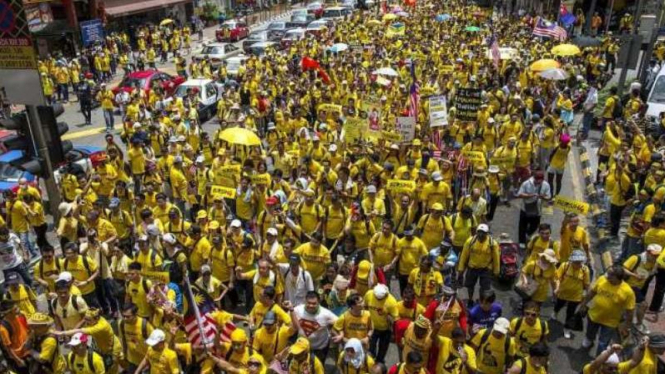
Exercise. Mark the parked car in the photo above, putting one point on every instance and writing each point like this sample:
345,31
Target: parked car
318,28
292,36
299,12
278,28
335,13
261,48
208,91
232,31
257,37
233,64
217,52
316,9
148,79
301,21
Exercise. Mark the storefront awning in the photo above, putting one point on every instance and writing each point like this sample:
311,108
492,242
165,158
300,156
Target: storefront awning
120,8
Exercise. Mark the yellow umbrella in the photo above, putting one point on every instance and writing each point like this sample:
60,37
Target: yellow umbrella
240,136
544,64
374,22
389,17
165,22
566,50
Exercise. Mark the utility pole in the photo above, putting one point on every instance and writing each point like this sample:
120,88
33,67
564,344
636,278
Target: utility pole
644,64
36,130
631,48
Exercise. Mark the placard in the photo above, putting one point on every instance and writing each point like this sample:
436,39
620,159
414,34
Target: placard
467,103
157,276
438,111
570,205
407,127
261,179
224,192
401,186
354,128
474,156
92,31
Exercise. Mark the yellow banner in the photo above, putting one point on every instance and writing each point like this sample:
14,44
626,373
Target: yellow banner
401,186
447,68
157,276
261,179
389,135
503,161
570,205
225,192
474,156
331,108
231,169
16,56
354,129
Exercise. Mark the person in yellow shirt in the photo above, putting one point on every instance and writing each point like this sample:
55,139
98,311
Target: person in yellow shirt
436,191
84,270
24,297
410,250
540,242
639,270
44,344
434,227
356,322
315,256
133,332
382,307
105,97
495,347
455,356
82,359
425,281
47,88
137,290
160,358
572,280
239,353
354,359
613,301
62,78
383,249
272,338
479,260
529,329
535,362
137,162
573,236
557,163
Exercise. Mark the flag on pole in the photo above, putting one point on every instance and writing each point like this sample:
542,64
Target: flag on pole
549,29
494,50
414,96
199,324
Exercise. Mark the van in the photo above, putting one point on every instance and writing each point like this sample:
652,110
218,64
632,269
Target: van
656,98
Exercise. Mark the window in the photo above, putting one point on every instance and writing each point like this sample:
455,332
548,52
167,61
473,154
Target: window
658,91
211,91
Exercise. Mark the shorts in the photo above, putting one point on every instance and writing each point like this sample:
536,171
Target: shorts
552,170
640,295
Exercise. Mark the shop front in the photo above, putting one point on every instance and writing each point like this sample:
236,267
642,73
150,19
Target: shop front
123,14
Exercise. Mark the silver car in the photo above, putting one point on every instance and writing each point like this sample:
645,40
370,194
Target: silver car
217,52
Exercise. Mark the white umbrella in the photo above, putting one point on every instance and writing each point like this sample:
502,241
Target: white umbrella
339,47
386,71
554,74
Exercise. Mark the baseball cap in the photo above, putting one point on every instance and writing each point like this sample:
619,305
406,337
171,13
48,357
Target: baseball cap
200,160
270,318
13,278
370,189
236,223
272,200
115,202
301,345
654,249
238,336
78,339
380,291
169,238
65,276
549,255
294,257
577,256
436,176
206,269
201,214
364,268
501,325
156,336
483,227
272,231
437,206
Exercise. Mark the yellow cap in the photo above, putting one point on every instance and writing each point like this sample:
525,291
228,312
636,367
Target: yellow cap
238,336
437,206
213,225
201,214
301,345
364,268
40,319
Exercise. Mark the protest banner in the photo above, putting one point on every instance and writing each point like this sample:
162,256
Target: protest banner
371,112
354,128
157,276
391,136
261,179
330,108
407,127
225,192
401,186
467,103
438,111
474,156
570,205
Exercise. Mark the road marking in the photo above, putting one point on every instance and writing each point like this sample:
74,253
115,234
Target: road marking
88,132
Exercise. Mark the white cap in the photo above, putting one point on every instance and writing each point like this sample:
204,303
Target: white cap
370,189
654,249
272,231
142,238
380,291
490,120
315,138
200,159
78,339
157,336
483,227
436,176
236,223
501,325
64,276
137,125
169,238
333,148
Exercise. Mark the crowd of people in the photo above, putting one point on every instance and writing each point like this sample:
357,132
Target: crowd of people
190,250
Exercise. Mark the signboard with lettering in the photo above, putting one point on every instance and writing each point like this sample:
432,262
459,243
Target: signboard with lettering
354,128
19,77
407,127
401,186
224,192
92,31
438,111
467,103
570,205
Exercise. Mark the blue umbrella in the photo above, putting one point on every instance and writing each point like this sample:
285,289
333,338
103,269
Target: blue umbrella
339,47
443,17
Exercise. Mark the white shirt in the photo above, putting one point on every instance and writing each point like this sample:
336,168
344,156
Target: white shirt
528,187
9,256
315,327
591,99
296,286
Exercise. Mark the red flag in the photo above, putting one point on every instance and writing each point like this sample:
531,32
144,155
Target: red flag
324,76
308,63
410,3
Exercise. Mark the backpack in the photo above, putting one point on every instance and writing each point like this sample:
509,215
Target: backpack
53,305
70,361
86,264
506,344
617,111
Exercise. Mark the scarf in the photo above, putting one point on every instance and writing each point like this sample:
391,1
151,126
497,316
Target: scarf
359,357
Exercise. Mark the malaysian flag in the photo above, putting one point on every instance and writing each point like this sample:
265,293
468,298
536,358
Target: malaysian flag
494,50
199,324
414,96
549,29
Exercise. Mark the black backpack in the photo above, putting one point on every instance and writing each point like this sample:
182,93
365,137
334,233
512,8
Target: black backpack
617,111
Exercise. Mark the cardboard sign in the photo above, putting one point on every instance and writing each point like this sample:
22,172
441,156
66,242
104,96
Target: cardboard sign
570,205
438,111
407,127
157,276
391,136
225,192
330,108
230,169
474,156
467,103
261,179
354,128
401,186
503,161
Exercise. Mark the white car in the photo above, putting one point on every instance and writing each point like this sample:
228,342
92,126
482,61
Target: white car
656,98
233,65
209,92
217,52
335,13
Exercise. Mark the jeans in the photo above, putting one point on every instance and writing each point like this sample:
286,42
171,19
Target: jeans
86,110
27,243
615,219
378,344
587,121
658,292
22,270
473,276
527,226
494,201
63,91
605,334
40,232
571,307
108,118
247,288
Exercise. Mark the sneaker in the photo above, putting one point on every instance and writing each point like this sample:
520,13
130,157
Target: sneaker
567,334
643,329
586,343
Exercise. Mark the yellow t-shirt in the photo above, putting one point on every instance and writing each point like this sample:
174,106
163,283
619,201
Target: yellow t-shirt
572,282
449,360
425,286
132,337
526,335
259,311
410,252
223,263
164,362
433,230
314,260
49,353
380,310
410,313
491,357
138,293
80,364
309,217
268,345
352,326
81,270
383,248
610,302
24,297
529,368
